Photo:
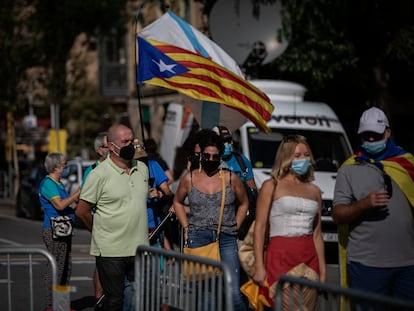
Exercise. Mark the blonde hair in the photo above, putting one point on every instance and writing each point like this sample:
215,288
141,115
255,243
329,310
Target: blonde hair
283,159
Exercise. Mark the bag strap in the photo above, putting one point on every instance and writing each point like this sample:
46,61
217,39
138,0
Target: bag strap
223,198
241,164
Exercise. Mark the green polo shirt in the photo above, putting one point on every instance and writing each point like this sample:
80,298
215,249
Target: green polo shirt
120,221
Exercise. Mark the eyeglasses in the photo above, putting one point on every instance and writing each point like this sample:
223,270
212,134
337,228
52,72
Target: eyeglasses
125,141
208,156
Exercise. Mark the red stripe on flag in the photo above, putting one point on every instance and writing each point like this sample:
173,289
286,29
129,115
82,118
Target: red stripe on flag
239,96
221,71
223,74
405,163
208,92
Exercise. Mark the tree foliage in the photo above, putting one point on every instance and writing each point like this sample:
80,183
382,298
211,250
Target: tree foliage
58,24
40,33
367,42
16,50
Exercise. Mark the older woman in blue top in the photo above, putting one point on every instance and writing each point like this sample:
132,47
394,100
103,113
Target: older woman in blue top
56,201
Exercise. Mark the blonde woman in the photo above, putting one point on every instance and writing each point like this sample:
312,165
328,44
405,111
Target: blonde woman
291,204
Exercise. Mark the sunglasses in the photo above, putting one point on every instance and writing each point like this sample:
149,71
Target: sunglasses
208,156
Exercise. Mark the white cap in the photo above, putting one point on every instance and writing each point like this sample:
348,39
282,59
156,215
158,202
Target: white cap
373,120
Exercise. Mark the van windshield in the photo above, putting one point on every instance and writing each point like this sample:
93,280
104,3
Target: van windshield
329,148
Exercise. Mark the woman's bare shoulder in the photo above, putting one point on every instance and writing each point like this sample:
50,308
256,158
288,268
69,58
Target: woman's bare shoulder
269,184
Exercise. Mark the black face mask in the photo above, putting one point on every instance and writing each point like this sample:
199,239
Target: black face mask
127,152
210,167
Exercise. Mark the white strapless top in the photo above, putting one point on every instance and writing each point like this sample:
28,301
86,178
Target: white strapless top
292,216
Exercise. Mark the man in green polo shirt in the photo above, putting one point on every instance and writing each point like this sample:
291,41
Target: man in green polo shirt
118,190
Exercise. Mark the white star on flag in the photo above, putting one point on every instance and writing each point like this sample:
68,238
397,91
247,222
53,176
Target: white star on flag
164,67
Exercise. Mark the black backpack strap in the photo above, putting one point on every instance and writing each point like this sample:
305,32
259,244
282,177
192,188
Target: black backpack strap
241,164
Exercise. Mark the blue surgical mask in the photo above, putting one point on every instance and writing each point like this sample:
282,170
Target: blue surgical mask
228,149
300,167
374,147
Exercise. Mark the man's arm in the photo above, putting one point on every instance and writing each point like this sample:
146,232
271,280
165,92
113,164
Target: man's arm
348,213
84,213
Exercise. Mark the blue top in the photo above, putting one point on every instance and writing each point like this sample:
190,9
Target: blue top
87,171
156,172
48,190
233,165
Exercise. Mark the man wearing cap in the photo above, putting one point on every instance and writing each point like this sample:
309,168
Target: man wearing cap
373,206
231,160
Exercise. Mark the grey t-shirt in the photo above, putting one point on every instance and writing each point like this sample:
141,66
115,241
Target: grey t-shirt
382,237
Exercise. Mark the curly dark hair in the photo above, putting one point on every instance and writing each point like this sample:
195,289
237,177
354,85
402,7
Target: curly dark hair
208,138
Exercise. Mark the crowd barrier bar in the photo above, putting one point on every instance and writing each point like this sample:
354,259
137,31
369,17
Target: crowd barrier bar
160,281
60,295
330,297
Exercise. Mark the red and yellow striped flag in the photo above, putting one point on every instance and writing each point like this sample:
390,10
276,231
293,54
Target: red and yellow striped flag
168,66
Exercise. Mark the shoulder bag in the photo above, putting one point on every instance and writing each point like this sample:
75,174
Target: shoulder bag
61,226
246,250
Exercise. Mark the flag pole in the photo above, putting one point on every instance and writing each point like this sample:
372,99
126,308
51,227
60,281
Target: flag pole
138,85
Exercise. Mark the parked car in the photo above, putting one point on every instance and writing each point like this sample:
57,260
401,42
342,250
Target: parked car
27,201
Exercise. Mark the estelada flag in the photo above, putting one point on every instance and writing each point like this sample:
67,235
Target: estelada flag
171,67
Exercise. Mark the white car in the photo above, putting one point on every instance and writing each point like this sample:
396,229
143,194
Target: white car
76,169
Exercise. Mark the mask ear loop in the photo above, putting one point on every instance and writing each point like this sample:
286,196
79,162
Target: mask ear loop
199,162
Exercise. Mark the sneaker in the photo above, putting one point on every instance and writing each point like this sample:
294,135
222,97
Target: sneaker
99,303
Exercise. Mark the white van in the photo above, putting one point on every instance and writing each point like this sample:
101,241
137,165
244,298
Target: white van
293,116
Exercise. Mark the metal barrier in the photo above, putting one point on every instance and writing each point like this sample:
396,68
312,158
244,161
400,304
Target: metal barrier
290,296
161,283
30,257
